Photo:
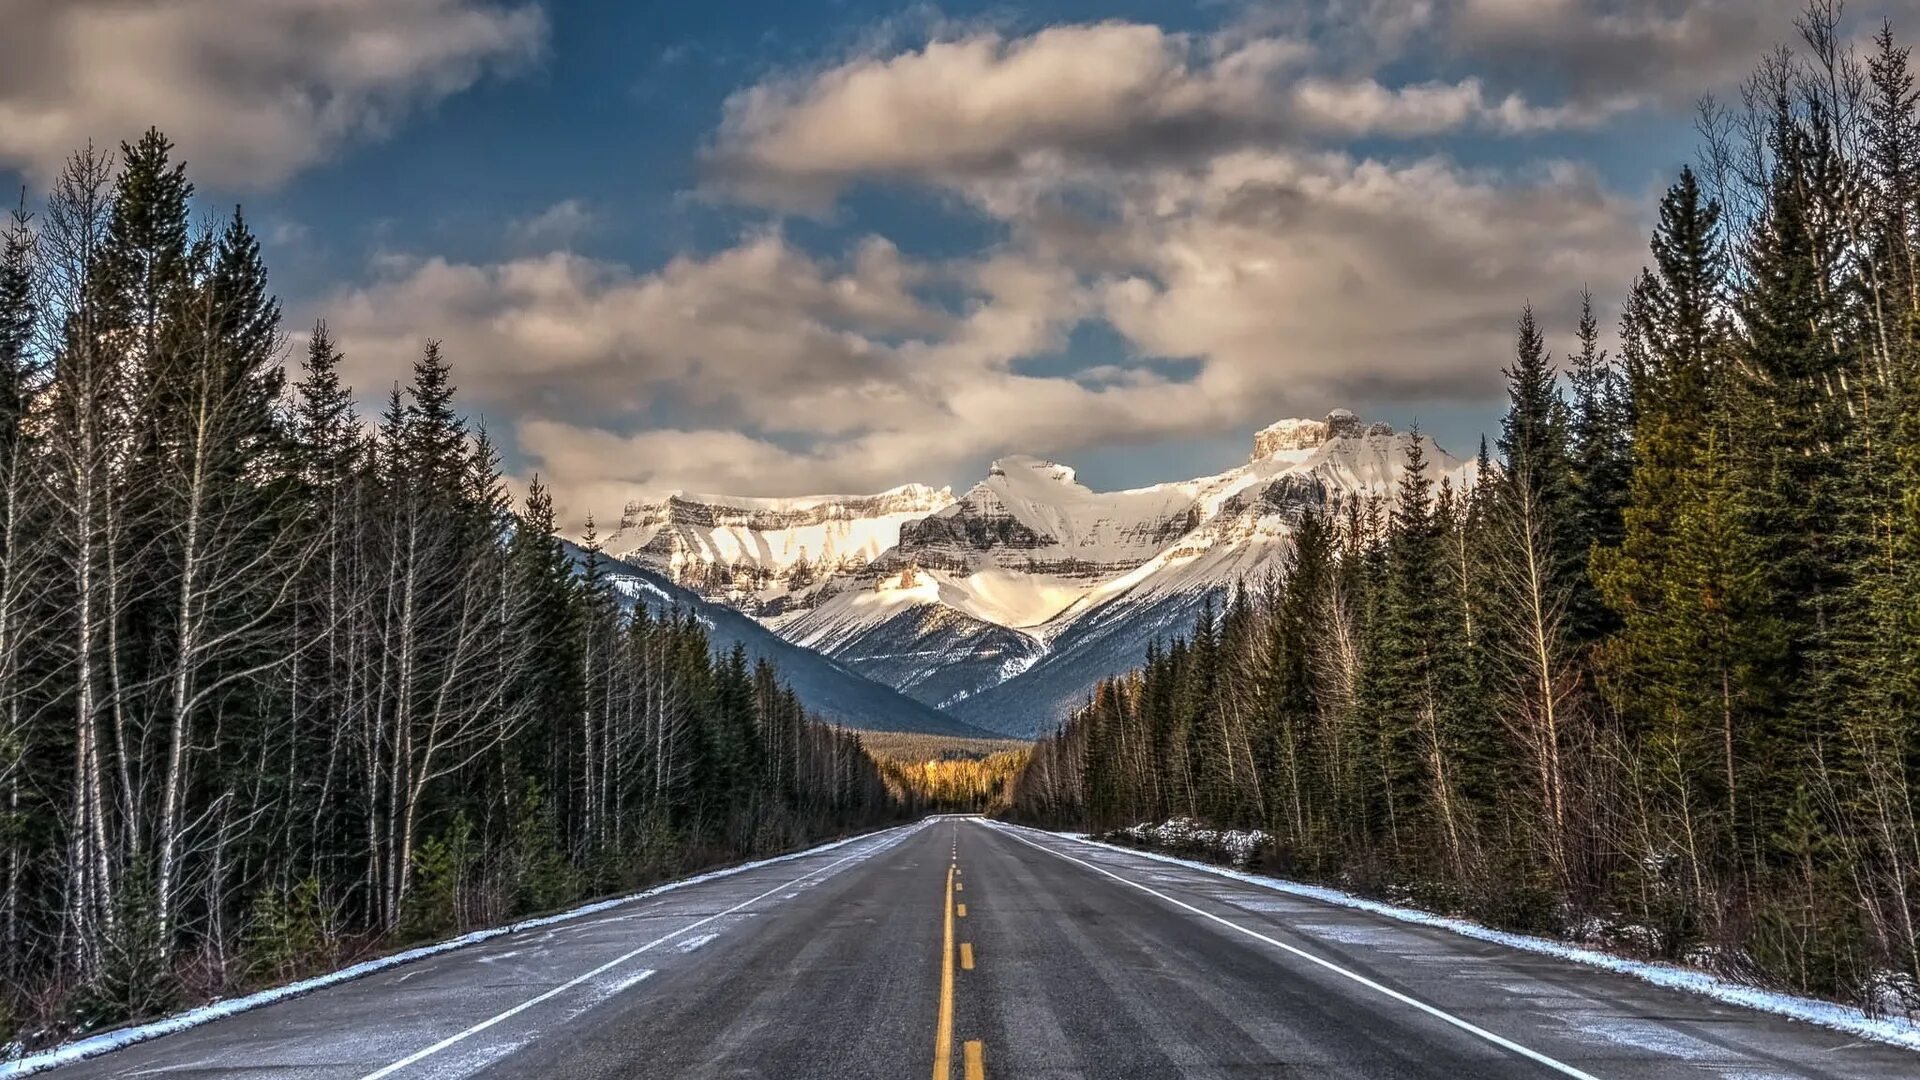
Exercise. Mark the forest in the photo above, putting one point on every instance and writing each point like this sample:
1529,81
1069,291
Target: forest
281,685
945,774
1653,681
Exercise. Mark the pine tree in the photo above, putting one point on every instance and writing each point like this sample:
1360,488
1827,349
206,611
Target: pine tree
1420,745
1533,439
19,317
1601,469
21,547
1296,744
1877,644
1791,417
549,690
326,705
147,267
1892,270
1685,579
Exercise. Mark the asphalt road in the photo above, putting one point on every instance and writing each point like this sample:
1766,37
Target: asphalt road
993,952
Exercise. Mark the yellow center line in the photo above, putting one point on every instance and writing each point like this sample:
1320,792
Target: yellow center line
966,956
975,1070
943,1033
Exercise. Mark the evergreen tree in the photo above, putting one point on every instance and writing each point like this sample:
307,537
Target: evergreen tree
1533,439
1418,742
1793,422
1601,469
1892,272
19,316
20,552
550,688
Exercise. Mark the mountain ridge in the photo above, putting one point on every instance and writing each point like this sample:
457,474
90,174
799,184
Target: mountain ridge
826,686
1005,604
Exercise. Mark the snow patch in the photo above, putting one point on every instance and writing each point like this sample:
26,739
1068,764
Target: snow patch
1237,846
1644,1035
1013,666
633,587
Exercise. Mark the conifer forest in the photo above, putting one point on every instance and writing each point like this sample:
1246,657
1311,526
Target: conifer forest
1654,680
281,684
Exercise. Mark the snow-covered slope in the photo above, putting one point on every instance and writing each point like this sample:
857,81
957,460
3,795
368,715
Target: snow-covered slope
753,551
826,686
1005,605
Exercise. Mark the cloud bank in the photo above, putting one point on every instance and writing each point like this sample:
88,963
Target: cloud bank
251,91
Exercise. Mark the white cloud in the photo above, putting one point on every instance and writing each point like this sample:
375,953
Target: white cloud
1657,52
250,91
758,368
976,109
558,226
752,327
1357,107
984,107
980,104
1328,278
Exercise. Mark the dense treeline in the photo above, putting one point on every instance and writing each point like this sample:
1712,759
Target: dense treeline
1659,668
275,683
943,774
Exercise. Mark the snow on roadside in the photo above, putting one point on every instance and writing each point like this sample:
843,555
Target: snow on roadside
108,1041
1827,1014
1236,846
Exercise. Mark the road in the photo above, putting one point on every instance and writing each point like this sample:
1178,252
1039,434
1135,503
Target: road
956,948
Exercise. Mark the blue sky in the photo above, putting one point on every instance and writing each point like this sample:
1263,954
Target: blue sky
775,248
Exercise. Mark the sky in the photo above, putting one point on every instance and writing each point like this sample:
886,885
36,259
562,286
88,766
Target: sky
767,247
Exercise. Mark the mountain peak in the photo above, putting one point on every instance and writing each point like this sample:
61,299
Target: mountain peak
1020,467
1302,434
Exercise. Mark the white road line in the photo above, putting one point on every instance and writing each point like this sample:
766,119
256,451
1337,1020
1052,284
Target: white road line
1437,1013
427,1052
695,942
628,982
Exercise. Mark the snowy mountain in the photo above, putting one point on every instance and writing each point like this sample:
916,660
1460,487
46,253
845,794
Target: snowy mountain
823,684
1005,605
752,551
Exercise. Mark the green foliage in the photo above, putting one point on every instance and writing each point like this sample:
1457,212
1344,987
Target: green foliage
291,932
543,878
441,867
132,979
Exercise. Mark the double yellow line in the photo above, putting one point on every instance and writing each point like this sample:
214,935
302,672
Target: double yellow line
943,1033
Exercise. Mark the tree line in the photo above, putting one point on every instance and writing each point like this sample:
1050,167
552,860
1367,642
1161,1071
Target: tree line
279,684
944,774
1658,670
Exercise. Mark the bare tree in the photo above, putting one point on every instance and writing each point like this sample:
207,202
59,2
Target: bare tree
86,439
